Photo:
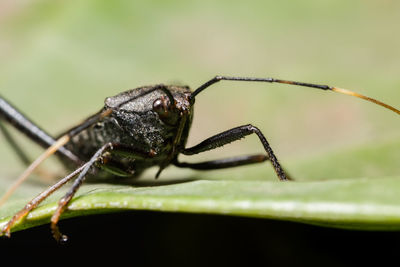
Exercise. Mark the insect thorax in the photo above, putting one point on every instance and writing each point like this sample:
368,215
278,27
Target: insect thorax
135,125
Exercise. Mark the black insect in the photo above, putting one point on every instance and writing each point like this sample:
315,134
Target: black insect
137,129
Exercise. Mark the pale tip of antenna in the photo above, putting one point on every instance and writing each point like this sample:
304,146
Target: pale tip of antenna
351,93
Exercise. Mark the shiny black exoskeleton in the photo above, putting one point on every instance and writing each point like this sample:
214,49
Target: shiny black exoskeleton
149,130
137,129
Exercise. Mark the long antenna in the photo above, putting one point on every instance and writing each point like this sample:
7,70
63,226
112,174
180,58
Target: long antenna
348,92
273,80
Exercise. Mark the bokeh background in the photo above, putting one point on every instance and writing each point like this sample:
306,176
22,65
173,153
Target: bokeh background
60,59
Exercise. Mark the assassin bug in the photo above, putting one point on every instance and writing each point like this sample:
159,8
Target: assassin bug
137,129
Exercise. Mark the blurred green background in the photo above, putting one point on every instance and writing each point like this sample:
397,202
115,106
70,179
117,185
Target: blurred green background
60,59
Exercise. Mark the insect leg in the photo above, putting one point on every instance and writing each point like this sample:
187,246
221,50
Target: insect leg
21,153
100,155
10,140
64,201
37,200
30,129
223,163
235,134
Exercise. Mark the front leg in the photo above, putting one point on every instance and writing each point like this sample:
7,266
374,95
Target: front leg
235,134
98,160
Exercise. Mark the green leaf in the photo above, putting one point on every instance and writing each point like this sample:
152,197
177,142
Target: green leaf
357,203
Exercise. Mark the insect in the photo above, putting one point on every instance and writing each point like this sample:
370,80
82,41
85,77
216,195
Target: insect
136,129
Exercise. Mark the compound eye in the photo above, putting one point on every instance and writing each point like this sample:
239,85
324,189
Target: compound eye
165,111
161,107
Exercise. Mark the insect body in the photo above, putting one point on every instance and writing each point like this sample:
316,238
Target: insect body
144,132
137,129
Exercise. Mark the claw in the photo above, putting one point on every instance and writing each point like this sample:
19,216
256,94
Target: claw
17,217
58,236
5,231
